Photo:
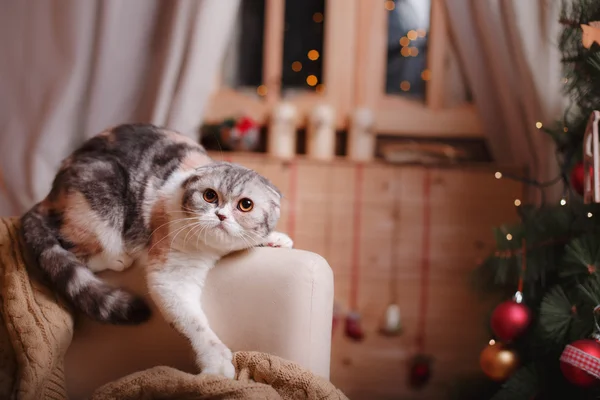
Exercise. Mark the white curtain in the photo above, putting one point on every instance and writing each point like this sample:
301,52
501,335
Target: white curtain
509,51
71,68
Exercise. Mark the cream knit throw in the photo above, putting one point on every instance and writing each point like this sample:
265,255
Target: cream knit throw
36,329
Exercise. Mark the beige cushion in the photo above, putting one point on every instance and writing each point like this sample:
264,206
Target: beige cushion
277,301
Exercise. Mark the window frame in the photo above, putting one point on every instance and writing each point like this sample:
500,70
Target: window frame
354,73
395,115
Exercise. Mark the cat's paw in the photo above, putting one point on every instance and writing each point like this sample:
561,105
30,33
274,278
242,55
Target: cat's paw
279,239
217,361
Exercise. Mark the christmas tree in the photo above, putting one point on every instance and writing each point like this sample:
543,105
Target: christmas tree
548,265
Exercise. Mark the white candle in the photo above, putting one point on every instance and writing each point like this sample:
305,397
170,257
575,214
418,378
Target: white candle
320,135
281,138
361,137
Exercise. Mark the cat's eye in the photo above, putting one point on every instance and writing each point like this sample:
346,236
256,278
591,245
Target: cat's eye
210,196
245,205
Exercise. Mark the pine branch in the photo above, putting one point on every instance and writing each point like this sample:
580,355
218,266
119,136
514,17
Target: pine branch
522,385
556,316
582,256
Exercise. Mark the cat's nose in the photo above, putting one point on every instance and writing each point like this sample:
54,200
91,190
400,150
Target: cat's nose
221,216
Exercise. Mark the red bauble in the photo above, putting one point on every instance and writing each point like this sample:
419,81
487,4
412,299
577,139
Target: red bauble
510,320
578,178
580,363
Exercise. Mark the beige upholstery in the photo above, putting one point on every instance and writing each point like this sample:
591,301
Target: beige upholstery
277,301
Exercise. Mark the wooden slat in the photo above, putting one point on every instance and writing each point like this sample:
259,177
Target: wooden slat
273,49
339,49
437,43
370,57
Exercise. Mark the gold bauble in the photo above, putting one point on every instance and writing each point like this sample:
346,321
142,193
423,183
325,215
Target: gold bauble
498,361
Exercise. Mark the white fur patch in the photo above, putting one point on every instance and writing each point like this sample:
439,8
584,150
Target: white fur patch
81,279
176,288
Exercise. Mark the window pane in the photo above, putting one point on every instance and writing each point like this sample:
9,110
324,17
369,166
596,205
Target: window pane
303,44
408,28
243,62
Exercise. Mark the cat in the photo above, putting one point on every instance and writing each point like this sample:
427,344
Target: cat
141,193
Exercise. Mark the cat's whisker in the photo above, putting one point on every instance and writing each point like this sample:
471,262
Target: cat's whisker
169,222
205,231
198,225
192,229
248,239
166,236
184,208
189,225
198,235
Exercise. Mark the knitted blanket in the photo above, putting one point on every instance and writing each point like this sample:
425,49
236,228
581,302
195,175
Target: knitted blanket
36,328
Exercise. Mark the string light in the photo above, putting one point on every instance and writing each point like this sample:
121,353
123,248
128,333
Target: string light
261,90
517,202
389,5
404,41
565,129
565,80
405,86
313,55
563,202
422,33
590,215
508,236
297,66
414,51
498,175
405,51
538,125
412,34
492,342
311,80
426,75
318,17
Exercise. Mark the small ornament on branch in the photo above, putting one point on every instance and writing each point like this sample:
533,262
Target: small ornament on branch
498,361
510,319
580,361
591,34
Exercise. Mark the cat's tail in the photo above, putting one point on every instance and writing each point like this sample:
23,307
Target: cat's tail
75,281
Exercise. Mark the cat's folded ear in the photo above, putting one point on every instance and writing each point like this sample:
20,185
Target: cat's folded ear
272,187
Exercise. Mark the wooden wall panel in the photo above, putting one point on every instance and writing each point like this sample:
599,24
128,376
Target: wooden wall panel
465,203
